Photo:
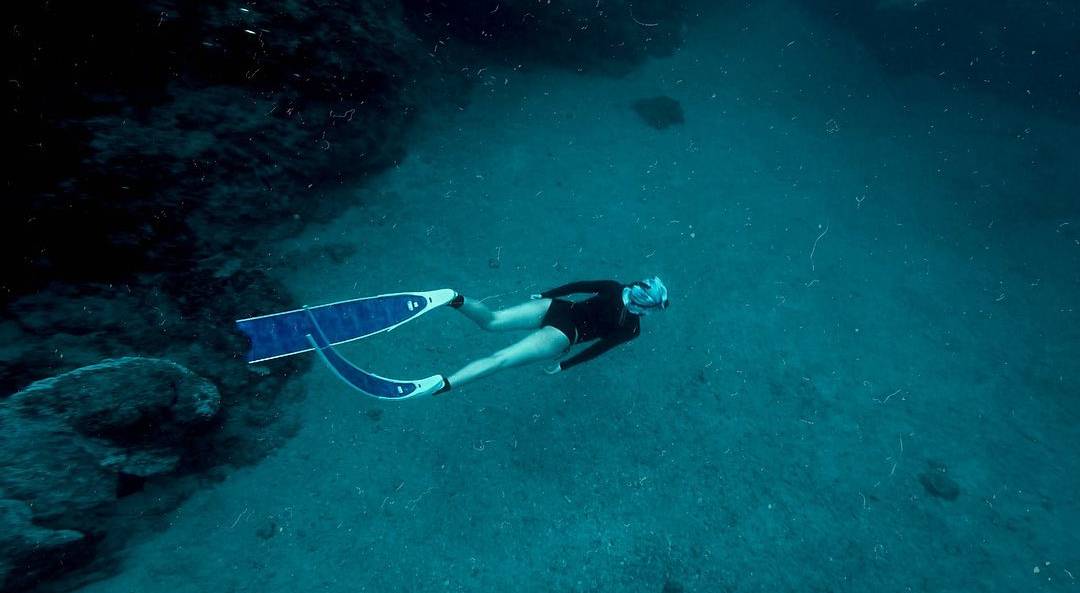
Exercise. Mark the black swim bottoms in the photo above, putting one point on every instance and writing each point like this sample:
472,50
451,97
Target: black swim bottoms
559,316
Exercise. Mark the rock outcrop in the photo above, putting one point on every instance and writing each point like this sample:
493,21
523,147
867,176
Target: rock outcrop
156,134
74,445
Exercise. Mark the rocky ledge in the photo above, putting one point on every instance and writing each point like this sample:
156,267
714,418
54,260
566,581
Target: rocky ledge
74,447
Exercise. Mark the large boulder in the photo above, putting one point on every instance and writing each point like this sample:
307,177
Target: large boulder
73,445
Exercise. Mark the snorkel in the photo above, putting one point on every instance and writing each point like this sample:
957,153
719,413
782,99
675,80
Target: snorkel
645,296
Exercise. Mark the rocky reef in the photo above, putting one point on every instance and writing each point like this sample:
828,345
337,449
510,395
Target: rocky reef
154,145
154,135
74,446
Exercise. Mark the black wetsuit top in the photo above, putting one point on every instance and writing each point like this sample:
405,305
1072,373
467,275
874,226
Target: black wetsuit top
602,316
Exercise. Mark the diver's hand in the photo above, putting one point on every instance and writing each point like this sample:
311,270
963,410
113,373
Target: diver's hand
555,368
535,297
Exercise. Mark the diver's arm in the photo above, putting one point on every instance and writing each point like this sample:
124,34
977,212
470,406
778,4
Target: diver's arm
592,352
585,286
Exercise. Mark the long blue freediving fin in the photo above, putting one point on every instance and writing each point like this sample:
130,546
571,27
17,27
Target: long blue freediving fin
361,380
285,334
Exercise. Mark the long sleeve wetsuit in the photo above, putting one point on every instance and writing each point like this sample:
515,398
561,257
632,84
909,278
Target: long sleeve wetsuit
602,317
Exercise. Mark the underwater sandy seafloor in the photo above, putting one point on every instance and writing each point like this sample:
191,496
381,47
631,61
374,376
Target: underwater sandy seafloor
866,381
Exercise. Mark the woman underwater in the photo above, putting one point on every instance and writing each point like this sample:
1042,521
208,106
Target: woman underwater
612,315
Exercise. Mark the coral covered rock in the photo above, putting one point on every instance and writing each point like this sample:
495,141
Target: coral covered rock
72,445
191,128
28,551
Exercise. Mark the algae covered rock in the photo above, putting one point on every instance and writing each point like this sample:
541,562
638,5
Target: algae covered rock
122,397
71,446
27,550
191,128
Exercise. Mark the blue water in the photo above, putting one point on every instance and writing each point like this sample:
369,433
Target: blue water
866,381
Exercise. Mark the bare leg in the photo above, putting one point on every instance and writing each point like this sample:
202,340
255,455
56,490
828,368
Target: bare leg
544,343
527,315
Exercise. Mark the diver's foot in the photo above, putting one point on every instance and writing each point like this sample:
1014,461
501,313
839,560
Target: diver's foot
457,301
445,385
442,386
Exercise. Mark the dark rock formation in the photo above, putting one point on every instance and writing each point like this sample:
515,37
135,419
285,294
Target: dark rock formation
156,143
586,35
659,112
73,445
152,135
185,318
29,552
